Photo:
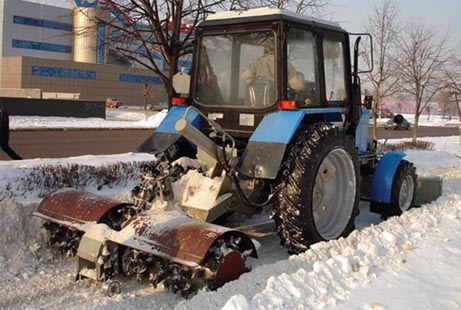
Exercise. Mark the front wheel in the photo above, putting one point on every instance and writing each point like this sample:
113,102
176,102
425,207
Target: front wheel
403,188
319,196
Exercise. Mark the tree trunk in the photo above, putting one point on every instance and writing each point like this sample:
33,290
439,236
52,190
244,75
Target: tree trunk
415,127
172,70
459,117
374,112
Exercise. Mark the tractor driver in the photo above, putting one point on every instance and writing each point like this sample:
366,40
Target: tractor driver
262,68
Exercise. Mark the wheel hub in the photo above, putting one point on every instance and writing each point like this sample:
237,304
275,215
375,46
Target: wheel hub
334,193
406,193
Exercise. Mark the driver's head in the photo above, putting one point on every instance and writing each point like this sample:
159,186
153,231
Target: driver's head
269,46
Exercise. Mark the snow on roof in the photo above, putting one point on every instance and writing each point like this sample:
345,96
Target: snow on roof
265,11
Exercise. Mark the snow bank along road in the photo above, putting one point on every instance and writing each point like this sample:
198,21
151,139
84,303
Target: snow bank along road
65,143
407,262
124,130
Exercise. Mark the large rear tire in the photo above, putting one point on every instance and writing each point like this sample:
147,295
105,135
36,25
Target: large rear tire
319,188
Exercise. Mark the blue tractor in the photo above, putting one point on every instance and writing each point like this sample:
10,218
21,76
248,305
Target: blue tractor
271,113
274,104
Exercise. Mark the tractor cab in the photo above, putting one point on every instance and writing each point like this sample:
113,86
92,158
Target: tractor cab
249,64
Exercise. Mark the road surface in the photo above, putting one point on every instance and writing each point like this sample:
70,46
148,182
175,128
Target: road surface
423,131
66,143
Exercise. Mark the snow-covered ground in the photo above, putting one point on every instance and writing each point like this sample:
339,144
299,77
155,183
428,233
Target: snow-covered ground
121,118
136,119
407,262
426,120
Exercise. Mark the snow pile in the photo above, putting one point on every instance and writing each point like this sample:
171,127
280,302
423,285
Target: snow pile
424,120
407,262
195,190
327,273
127,120
30,180
21,234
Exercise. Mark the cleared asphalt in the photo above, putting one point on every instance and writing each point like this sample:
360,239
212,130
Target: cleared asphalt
66,143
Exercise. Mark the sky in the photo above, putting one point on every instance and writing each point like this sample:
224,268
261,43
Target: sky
352,14
441,14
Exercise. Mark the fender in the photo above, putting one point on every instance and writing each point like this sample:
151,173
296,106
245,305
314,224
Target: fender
165,135
266,148
383,177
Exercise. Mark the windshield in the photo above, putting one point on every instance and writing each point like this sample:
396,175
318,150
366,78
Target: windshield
237,69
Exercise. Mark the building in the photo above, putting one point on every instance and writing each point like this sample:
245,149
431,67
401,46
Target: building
43,47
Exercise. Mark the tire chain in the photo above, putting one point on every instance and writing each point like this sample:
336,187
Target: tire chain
289,218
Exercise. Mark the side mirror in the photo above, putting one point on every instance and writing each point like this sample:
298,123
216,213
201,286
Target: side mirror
367,52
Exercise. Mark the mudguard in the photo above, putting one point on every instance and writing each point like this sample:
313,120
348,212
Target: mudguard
173,236
165,135
165,234
74,208
383,177
266,147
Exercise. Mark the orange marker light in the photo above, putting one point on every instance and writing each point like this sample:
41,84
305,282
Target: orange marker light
179,101
287,105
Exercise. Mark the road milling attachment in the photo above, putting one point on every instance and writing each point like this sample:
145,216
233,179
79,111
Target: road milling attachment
112,239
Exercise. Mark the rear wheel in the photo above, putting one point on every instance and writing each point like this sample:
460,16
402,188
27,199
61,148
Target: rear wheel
319,193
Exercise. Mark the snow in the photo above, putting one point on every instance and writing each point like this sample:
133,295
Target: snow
406,262
119,119
193,189
426,120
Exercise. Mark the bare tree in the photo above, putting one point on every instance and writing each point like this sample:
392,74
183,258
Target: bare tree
157,35
154,34
421,65
453,85
382,25
445,104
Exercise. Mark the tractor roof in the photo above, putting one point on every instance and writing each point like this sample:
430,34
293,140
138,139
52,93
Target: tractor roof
266,14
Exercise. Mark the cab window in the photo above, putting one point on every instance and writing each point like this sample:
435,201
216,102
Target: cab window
302,73
335,84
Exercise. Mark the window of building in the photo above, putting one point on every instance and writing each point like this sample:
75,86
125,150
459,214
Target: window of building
41,46
63,73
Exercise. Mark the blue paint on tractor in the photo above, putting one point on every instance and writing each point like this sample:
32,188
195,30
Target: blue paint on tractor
280,126
383,177
175,113
361,134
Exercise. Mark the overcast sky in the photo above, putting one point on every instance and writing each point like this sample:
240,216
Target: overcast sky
444,15
352,14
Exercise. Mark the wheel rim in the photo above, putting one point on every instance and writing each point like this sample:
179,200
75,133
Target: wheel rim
406,192
334,194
